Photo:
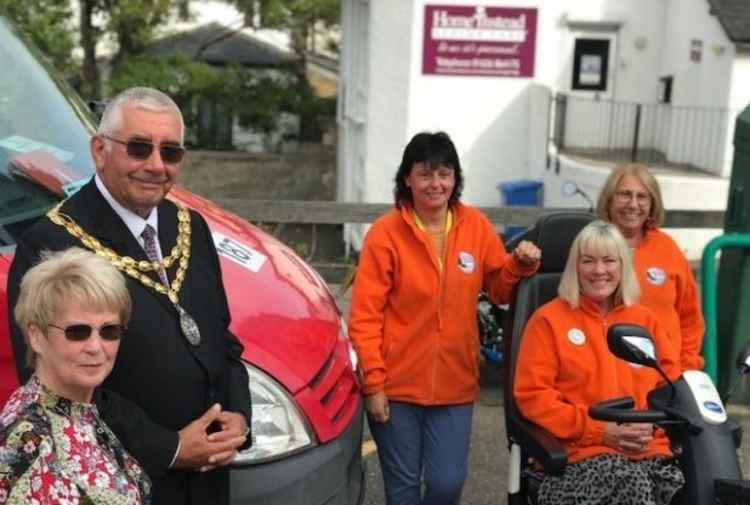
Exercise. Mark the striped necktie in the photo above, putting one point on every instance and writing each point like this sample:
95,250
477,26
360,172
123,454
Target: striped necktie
149,245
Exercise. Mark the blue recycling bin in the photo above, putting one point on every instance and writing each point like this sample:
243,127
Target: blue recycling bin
520,193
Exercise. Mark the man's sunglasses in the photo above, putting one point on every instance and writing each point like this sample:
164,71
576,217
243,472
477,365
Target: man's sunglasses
142,149
80,332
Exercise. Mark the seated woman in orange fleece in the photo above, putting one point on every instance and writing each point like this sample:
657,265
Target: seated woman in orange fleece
564,366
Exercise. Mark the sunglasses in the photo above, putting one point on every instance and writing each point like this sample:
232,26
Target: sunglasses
142,149
80,332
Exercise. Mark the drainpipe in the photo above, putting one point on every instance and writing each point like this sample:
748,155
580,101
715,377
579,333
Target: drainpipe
708,292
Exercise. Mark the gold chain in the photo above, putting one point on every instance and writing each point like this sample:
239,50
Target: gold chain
133,268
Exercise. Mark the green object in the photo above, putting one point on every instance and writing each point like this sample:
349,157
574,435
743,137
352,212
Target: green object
708,294
727,306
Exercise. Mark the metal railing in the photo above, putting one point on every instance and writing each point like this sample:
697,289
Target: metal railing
655,134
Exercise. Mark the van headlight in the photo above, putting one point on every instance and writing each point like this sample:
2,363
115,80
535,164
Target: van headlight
278,427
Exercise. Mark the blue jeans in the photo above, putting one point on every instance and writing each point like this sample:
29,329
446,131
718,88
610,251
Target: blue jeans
424,442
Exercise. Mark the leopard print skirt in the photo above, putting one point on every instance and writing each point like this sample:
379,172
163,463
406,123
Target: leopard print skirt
613,479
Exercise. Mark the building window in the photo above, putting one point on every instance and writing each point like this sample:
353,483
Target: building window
665,89
590,64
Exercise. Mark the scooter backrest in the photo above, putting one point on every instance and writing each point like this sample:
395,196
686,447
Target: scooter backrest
553,234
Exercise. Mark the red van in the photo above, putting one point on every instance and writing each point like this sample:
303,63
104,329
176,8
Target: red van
307,408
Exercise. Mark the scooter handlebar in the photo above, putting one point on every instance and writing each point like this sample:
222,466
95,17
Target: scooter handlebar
618,411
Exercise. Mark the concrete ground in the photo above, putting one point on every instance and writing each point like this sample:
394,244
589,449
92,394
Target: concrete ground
488,457
488,461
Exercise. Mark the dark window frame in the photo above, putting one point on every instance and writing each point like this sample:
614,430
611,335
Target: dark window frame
586,46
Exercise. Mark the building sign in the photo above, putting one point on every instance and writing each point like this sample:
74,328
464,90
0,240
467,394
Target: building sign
479,40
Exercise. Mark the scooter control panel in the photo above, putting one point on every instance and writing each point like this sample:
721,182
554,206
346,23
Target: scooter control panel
706,397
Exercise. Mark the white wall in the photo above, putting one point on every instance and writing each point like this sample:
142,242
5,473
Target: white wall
633,65
499,125
487,117
705,83
739,93
391,35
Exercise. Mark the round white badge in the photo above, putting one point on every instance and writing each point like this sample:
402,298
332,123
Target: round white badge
466,262
576,336
656,276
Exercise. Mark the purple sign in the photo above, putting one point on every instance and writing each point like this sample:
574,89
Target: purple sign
479,40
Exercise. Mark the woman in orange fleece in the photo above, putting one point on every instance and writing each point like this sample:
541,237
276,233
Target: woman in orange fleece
631,200
564,366
413,322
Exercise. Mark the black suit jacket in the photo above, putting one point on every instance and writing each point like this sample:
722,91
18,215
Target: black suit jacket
156,369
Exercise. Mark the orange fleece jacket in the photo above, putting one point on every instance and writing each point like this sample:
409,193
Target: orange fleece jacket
413,324
668,288
564,366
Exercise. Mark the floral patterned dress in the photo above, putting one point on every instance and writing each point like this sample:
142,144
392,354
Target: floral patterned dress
54,451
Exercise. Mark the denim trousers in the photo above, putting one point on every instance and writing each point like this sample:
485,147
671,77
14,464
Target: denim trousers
424,444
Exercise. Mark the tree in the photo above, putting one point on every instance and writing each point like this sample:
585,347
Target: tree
131,23
301,19
43,21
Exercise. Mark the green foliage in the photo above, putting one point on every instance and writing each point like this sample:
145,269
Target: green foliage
209,96
255,97
133,21
44,21
298,17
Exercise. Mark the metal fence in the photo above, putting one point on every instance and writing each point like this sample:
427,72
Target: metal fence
656,134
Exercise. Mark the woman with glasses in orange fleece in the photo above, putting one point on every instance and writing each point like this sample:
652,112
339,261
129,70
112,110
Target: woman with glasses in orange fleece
54,447
631,200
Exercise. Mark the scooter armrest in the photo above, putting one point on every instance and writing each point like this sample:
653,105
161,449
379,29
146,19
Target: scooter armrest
618,411
541,445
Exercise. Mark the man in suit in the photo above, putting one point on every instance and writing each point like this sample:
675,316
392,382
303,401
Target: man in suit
178,362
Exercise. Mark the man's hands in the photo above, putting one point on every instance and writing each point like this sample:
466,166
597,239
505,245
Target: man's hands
377,407
628,437
203,451
526,253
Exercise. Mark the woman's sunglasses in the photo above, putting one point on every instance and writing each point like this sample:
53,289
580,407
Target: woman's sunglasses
80,332
142,149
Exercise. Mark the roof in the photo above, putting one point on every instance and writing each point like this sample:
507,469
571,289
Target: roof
221,46
734,16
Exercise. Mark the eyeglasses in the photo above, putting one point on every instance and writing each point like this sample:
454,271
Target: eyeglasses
142,149
626,196
80,332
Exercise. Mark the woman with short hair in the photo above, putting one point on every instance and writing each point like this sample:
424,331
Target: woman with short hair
413,322
564,367
54,448
631,200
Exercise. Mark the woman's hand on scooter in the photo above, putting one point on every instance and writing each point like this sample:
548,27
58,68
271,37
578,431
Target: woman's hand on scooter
526,253
628,437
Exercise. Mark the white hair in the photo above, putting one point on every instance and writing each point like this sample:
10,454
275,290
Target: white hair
141,98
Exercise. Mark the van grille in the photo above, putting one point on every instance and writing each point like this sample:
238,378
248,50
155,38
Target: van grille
336,392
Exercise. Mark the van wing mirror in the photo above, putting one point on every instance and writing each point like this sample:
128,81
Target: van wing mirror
633,344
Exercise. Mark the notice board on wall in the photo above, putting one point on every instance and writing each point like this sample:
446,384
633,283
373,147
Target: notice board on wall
479,40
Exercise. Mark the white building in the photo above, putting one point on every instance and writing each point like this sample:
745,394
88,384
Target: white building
487,73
